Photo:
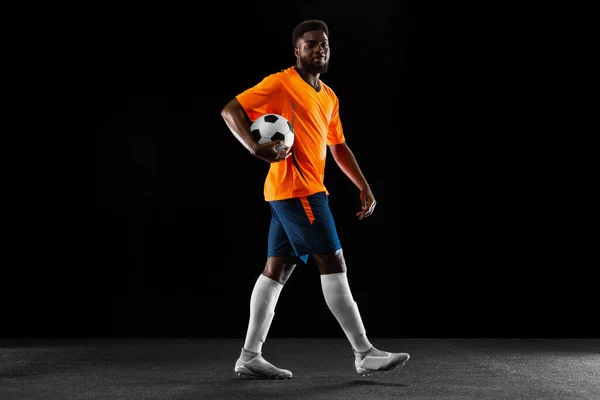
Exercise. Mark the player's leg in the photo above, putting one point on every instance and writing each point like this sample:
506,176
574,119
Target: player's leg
263,300
339,299
265,294
329,257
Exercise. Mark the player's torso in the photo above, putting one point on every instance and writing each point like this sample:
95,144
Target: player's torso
308,111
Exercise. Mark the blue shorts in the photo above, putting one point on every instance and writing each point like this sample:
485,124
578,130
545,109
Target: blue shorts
302,226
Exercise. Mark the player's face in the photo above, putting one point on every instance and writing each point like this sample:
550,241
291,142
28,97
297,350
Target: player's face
313,52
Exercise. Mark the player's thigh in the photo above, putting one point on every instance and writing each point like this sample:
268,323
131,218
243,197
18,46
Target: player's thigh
279,242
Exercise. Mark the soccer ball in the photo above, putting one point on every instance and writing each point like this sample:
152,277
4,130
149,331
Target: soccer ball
272,127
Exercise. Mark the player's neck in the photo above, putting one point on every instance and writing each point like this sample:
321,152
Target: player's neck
311,79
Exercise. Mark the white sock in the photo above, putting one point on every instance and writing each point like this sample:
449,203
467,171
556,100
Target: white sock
341,303
262,310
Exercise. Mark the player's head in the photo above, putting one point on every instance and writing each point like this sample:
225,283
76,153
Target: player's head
311,45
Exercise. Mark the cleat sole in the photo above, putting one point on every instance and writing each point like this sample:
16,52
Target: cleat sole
262,377
246,373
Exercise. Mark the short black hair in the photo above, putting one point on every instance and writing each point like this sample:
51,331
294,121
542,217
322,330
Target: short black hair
307,26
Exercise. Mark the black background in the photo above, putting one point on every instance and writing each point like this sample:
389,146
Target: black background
159,227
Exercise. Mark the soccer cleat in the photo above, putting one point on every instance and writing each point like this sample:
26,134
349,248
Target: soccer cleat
374,360
259,368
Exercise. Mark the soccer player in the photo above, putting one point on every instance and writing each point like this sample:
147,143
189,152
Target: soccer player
302,225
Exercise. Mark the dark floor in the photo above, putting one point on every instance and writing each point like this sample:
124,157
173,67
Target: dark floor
445,368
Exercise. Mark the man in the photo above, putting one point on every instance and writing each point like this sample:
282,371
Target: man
302,225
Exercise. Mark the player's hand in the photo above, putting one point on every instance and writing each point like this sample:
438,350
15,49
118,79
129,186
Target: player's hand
368,202
271,152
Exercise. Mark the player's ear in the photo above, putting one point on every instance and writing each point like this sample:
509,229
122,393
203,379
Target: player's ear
296,52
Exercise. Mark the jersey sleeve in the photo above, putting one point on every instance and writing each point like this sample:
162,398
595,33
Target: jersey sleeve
335,135
263,98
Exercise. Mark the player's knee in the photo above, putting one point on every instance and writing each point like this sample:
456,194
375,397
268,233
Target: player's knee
333,268
279,269
330,263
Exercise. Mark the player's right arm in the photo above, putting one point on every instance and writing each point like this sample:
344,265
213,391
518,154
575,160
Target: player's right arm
235,117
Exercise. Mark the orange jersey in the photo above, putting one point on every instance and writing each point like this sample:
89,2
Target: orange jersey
315,119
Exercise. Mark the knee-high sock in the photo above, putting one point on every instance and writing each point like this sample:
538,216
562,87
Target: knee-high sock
262,310
341,303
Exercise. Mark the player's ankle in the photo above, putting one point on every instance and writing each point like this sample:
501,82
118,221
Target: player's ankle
248,355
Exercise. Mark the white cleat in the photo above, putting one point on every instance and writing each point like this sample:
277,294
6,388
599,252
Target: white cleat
374,360
259,368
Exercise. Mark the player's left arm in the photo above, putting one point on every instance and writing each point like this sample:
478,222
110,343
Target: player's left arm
345,159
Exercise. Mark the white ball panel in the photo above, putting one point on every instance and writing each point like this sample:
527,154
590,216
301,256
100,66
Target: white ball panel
289,139
257,123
